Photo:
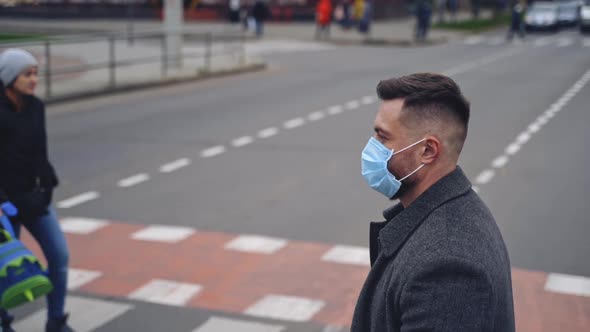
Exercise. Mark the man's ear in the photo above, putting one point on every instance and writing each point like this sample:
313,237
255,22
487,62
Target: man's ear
431,150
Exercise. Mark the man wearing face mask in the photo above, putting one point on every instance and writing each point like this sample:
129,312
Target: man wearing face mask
438,261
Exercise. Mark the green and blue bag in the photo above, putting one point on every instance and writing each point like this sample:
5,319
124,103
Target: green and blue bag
23,278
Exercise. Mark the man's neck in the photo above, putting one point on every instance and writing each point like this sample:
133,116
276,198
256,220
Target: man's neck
428,181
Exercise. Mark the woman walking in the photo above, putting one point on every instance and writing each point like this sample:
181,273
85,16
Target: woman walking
27,178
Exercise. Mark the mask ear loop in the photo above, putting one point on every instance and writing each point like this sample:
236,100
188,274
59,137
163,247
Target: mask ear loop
416,170
409,146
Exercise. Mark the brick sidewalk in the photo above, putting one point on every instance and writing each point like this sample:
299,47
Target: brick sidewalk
260,276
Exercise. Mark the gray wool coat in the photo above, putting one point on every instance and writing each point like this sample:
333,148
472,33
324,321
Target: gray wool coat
439,265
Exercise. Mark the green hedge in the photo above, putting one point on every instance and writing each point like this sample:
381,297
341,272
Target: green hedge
473,25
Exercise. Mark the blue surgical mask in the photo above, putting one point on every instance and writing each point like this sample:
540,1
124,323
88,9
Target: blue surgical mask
374,161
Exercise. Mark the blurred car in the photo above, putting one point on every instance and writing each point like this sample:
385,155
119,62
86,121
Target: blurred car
569,13
585,17
542,16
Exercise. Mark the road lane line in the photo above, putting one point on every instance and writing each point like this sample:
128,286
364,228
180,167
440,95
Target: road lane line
213,151
175,165
485,176
133,180
294,123
334,110
513,148
77,200
268,132
353,104
315,116
500,162
244,140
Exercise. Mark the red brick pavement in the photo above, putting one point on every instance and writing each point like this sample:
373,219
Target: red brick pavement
232,280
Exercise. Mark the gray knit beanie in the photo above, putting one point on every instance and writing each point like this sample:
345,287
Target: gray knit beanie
13,62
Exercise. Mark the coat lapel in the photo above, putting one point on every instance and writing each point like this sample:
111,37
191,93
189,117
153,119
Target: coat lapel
401,223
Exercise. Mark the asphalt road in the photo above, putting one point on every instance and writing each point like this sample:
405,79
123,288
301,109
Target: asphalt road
301,180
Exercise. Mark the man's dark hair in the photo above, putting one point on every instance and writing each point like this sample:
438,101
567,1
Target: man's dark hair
429,96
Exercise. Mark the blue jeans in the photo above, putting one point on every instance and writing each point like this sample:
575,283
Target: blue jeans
259,28
47,232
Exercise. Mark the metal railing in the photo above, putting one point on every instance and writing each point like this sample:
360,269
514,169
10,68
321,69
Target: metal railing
124,51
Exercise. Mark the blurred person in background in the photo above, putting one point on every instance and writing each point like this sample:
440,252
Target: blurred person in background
27,178
423,17
516,21
260,13
323,16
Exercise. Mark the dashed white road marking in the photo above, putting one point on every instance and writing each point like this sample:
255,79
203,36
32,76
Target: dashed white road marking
294,123
213,151
175,165
533,128
481,62
244,140
315,116
334,110
367,100
485,176
353,104
500,162
133,180
268,132
568,284
512,149
77,200
523,138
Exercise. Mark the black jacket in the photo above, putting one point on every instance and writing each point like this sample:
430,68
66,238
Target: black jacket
23,148
260,11
439,265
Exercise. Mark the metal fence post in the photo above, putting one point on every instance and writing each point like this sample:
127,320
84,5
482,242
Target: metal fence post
112,62
243,48
208,40
47,69
164,56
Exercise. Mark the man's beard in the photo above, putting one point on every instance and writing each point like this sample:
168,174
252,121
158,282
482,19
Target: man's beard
402,190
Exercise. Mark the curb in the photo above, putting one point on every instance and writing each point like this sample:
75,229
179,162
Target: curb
201,75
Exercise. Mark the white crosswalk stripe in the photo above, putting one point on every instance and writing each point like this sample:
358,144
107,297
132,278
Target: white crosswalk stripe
564,42
86,315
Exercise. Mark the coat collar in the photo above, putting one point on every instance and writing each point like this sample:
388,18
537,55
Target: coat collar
401,223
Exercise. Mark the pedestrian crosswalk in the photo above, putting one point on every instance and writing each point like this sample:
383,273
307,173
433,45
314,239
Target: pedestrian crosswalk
127,277
92,314
533,41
